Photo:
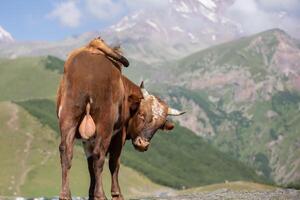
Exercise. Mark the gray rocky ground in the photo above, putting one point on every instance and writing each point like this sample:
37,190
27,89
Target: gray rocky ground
221,194
225,194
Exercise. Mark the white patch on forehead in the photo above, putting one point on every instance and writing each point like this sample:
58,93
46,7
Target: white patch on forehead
157,108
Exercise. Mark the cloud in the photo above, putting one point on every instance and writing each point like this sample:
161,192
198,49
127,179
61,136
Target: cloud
140,4
105,9
109,9
67,13
71,13
280,5
260,15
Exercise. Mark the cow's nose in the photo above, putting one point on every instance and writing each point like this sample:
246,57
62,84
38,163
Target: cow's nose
139,141
141,144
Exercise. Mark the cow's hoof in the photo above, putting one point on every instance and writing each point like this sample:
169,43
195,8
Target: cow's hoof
118,197
65,197
100,198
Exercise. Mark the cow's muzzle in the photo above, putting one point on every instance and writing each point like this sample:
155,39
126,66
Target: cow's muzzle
141,144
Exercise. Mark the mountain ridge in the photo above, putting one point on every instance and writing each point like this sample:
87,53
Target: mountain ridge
172,30
244,92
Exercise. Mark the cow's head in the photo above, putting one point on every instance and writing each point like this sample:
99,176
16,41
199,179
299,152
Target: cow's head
150,116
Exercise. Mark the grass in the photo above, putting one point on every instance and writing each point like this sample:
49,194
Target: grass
188,161
26,78
235,186
30,161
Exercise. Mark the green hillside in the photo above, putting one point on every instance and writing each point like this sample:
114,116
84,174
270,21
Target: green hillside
247,96
179,159
188,161
30,163
26,78
235,53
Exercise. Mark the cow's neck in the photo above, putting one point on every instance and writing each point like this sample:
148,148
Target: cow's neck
131,88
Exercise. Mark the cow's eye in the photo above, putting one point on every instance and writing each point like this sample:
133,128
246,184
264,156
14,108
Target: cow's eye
151,119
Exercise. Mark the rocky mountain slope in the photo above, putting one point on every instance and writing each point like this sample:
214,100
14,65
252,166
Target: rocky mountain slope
243,96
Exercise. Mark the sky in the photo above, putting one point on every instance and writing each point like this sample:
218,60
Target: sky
57,19
50,19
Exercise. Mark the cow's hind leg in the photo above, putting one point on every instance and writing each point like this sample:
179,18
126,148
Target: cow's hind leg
68,128
104,132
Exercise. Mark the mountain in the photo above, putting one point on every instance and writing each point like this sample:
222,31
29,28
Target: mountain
5,37
44,48
151,34
177,29
243,97
30,133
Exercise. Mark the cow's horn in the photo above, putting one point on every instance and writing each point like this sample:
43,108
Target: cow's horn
174,112
145,93
142,84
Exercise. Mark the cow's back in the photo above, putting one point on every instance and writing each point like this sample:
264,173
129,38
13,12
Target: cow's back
91,77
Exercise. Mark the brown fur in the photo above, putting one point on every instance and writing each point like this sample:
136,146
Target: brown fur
113,53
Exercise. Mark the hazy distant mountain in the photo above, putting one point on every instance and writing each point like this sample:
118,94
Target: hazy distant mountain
5,37
175,30
152,34
39,48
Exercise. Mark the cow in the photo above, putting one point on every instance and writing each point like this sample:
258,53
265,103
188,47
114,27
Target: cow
120,110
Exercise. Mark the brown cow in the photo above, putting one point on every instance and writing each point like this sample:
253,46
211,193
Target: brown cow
120,110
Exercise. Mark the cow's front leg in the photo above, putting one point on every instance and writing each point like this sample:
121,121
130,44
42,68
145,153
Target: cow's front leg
114,165
66,153
101,146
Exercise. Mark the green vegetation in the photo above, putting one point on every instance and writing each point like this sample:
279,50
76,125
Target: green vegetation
181,159
295,186
235,186
54,64
30,160
42,109
187,160
246,98
27,78
235,53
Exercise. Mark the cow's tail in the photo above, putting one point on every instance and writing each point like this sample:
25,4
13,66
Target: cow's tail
87,126
98,43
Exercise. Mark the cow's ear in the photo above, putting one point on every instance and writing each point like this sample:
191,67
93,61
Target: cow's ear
134,103
168,126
